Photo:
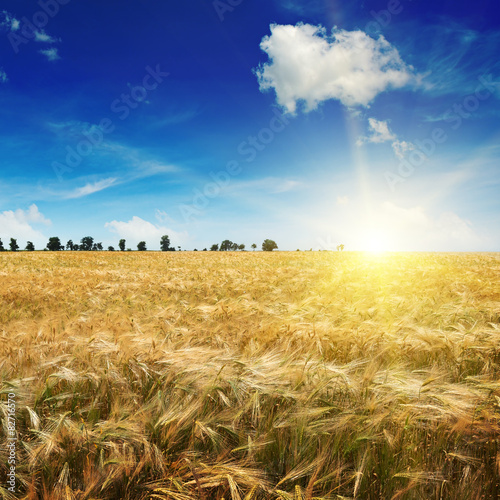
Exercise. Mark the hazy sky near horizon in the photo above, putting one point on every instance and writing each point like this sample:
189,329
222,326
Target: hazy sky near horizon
369,123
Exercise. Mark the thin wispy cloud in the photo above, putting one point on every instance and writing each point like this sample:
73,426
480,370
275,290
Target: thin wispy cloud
272,185
452,56
51,54
41,36
91,188
8,21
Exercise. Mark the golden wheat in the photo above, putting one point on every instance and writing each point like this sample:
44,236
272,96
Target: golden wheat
215,375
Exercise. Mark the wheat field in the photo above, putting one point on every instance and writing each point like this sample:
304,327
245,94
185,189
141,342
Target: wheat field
222,375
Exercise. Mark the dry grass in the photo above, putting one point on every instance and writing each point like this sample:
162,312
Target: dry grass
251,375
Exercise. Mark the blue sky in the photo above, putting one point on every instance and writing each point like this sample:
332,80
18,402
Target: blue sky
369,123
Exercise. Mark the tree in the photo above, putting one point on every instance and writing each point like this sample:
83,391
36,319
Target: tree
14,247
165,243
111,249
340,247
54,244
71,246
214,247
99,246
254,246
269,245
226,245
141,246
87,243
2,249
121,245
234,247
241,247
30,247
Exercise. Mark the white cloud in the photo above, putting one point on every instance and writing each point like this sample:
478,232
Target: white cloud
41,36
401,147
3,76
32,215
379,131
18,224
153,167
285,185
51,54
162,217
137,229
9,21
91,188
307,65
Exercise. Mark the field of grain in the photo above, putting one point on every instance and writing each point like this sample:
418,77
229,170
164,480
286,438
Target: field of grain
210,375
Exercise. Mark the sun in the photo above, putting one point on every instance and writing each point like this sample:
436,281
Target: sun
376,245
377,242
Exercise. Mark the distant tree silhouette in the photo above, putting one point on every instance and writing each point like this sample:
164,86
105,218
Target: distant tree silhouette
14,247
87,243
165,243
54,244
121,245
111,249
2,249
71,246
269,245
254,246
241,246
214,247
340,247
141,246
30,247
226,245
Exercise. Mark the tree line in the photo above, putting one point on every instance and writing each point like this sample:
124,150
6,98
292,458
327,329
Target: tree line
87,244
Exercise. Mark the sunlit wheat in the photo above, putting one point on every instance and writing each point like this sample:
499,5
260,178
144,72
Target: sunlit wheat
215,375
